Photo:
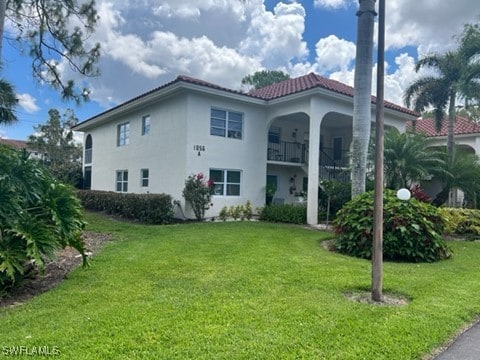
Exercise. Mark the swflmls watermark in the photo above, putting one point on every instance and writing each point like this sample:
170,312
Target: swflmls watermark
30,350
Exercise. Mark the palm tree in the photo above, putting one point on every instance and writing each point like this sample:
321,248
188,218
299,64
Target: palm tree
461,172
362,94
409,158
438,91
8,100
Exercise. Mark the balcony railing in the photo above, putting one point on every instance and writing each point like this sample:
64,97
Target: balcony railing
283,151
333,163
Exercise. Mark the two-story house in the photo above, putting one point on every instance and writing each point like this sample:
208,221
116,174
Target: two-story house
293,133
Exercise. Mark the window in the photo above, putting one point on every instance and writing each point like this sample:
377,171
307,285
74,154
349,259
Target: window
123,134
226,123
144,177
145,124
226,182
337,148
122,181
274,135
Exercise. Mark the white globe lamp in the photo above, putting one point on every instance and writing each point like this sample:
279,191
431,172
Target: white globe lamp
404,194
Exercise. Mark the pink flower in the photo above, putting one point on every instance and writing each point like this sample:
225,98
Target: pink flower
199,176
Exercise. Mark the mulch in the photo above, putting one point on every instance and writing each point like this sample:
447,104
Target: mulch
56,270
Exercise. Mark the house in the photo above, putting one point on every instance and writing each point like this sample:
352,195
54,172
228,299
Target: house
21,144
467,138
292,133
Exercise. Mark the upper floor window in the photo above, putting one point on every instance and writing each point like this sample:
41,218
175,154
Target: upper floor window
122,181
226,182
144,174
145,124
226,123
274,135
123,134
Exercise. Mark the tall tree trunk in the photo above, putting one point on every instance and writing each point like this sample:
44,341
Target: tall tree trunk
451,126
362,94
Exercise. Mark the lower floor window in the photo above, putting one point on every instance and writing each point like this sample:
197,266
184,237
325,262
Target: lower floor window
122,181
144,177
226,182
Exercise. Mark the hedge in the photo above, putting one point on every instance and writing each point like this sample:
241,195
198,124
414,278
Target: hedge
146,208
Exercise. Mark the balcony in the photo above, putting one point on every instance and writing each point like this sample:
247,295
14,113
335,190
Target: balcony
333,163
291,152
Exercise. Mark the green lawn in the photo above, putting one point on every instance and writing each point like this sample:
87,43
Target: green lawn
242,290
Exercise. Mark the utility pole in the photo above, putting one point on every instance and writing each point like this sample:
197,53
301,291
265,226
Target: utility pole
377,256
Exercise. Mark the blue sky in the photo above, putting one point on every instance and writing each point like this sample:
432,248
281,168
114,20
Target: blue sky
147,43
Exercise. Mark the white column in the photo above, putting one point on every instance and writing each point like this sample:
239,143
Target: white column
316,116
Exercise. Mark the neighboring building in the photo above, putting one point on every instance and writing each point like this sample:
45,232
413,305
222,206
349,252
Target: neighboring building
467,137
21,144
285,133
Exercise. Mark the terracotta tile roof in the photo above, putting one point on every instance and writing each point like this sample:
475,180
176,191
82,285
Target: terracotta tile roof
273,91
462,126
310,81
18,144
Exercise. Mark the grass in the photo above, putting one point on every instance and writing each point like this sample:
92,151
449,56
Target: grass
241,291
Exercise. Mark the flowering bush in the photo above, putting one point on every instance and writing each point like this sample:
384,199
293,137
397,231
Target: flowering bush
198,192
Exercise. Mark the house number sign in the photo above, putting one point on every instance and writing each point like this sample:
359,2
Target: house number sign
199,148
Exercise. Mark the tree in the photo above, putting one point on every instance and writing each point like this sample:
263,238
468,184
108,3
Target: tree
51,31
362,94
55,140
457,76
409,158
263,78
38,215
8,101
462,171
438,91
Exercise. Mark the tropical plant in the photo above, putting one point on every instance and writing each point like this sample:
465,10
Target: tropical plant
38,215
412,231
457,77
461,172
8,101
362,94
409,158
260,79
439,91
198,192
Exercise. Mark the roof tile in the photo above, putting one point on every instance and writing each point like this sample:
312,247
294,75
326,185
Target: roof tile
462,126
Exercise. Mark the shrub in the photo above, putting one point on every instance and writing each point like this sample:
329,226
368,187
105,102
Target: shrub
146,208
38,215
337,193
248,210
198,192
224,214
412,229
461,221
286,213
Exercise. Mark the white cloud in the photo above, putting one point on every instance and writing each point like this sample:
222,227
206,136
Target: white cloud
276,37
334,54
331,4
28,103
430,24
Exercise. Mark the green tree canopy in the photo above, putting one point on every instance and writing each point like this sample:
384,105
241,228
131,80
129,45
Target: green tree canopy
8,101
260,79
51,31
55,140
